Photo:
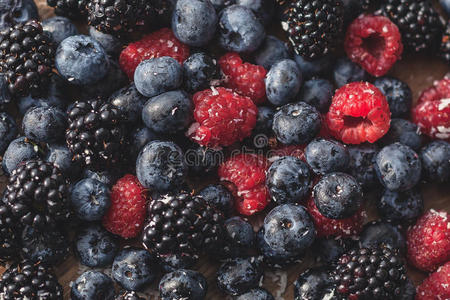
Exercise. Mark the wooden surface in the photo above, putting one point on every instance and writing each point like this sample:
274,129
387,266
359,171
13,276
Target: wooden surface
419,72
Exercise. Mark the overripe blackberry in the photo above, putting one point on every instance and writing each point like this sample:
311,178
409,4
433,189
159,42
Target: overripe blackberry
37,194
9,245
370,274
27,57
26,280
445,44
72,9
418,21
96,134
313,27
181,224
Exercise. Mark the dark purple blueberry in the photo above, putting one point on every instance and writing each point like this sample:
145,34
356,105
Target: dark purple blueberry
283,82
90,199
318,93
398,94
238,239
44,124
380,233
8,131
403,131
315,284
361,164
327,156
435,159
95,247
271,51
92,285
219,197
239,275
401,207
61,157
18,151
199,70
130,102
59,28
346,71
183,284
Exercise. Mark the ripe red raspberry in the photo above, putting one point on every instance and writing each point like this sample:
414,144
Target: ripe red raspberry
429,241
244,78
334,227
223,117
128,210
373,42
432,112
247,176
436,286
156,44
358,113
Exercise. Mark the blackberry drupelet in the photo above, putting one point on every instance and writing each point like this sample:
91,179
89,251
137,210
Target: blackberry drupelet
313,27
419,23
445,44
181,224
96,134
27,57
9,245
376,273
72,9
37,194
26,280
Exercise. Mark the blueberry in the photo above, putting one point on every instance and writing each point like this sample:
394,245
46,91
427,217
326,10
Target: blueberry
274,258
201,160
44,124
318,93
264,120
5,96
19,150
90,199
329,250
398,167
17,11
379,233
289,227
128,295
169,112
111,44
92,285
338,196
161,166
194,22
239,29
59,28
103,176
239,238
398,95
8,131
218,196
445,5
288,180
315,284
327,156
401,207
172,262
361,164
95,247
140,137
271,51
346,71
402,131
256,294
81,60
239,275
61,157
263,9
283,82
435,159
221,4
130,102
183,284
134,268
199,70
296,123
158,75
409,289
318,67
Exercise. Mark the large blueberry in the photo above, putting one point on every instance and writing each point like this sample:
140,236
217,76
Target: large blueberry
326,156
239,275
44,124
19,150
435,159
183,284
402,131
271,51
90,199
61,157
361,164
401,207
199,70
110,43
8,131
346,71
275,258
318,93
17,11
382,234
92,285
130,102
95,247
398,95
59,28
218,196
239,239
283,82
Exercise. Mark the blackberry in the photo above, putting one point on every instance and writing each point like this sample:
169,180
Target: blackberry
71,9
375,273
26,280
419,23
95,135
8,237
445,44
37,194
181,223
27,57
313,27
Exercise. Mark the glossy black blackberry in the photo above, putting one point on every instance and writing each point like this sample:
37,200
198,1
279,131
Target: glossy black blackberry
37,194
375,273
9,245
313,27
72,9
419,23
96,134
26,280
181,224
27,57
445,44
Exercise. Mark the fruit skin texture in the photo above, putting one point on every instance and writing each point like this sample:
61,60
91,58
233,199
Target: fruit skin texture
313,284
435,159
223,117
326,156
382,234
398,95
19,150
130,102
361,165
92,285
436,286
346,71
429,241
199,70
271,51
373,42
183,284
401,207
239,275
247,175
358,113
90,199
59,28
14,12
404,132
44,124
126,215
218,196
283,82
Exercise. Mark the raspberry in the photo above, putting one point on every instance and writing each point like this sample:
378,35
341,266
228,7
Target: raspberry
223,117
436,286
358,113
373,42
244,78
128,211
247,176
157,44
432,112
335,227
429,241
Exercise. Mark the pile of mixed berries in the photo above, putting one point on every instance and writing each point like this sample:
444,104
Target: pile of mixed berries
159,133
